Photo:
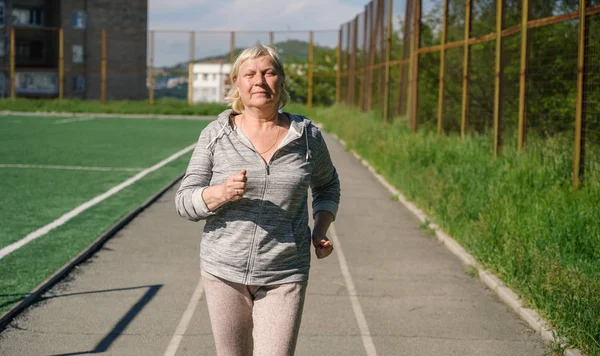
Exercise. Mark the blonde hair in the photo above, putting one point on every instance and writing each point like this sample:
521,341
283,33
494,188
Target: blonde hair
257,51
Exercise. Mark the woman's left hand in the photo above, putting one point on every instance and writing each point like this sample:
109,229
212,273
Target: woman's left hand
323,247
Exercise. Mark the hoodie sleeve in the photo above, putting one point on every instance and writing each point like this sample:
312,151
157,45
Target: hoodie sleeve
188,199
325,184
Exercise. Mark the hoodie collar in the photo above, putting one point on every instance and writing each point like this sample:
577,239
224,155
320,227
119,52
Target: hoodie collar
298,124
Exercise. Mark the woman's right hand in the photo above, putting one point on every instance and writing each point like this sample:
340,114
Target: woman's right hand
235,186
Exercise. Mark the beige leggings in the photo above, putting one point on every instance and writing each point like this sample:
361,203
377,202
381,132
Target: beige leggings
265,319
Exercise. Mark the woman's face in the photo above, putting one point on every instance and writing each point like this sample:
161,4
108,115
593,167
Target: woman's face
258,83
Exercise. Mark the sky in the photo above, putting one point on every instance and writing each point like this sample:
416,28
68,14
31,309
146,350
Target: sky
242,15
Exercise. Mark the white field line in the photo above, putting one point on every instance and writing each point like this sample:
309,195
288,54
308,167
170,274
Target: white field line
83,207
358,313
77,168
185,320
67,121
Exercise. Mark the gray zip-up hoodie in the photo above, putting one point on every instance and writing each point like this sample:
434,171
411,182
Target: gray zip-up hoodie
263,238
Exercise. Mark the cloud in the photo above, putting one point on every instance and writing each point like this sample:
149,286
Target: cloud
265,15
162,6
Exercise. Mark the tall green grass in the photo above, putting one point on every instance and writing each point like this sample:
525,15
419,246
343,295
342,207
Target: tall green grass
164,106
518,215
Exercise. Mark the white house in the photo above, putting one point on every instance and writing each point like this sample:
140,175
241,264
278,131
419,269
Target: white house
210,82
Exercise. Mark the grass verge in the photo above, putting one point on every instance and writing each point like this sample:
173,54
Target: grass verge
163,106
518,215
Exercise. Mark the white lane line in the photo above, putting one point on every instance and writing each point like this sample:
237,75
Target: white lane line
358,313
83,207
185,320
68,121
77,168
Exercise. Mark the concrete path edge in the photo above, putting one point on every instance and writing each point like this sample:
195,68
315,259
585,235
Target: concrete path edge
92,248
504,293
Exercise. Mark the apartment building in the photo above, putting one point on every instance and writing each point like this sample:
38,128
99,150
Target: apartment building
36,25
210,82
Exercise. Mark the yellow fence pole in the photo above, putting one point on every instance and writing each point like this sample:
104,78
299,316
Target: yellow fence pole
466,61
353,75
232,48
61,64
442,68
310,70
338,73
362,80
191,71
411,59
12,64
523,73
372,52
348,64
103,69
151,70
499,76
417,39
388,58
579,112
404,72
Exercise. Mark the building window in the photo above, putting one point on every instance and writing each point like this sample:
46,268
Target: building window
79,83
78,54
205,77
2,46
27,17
30,49
79,20
2,13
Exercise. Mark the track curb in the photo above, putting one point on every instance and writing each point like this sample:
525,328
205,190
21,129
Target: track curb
92,248
504,293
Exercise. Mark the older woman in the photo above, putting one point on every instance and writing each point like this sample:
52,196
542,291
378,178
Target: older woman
248,178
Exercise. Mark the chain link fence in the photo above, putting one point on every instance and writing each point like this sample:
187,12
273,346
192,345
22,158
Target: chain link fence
509,69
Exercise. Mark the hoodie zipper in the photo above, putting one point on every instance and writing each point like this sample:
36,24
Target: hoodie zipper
267,166
251,256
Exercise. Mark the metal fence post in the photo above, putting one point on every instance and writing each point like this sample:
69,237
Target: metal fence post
442,68
103,69
579,162
363,65
417,44
151,71
338,73
232,48
12,64
388,56
404,71
523,74
411,59
61,64
498,77
372,50
191,71
466,62
310,70
353,62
